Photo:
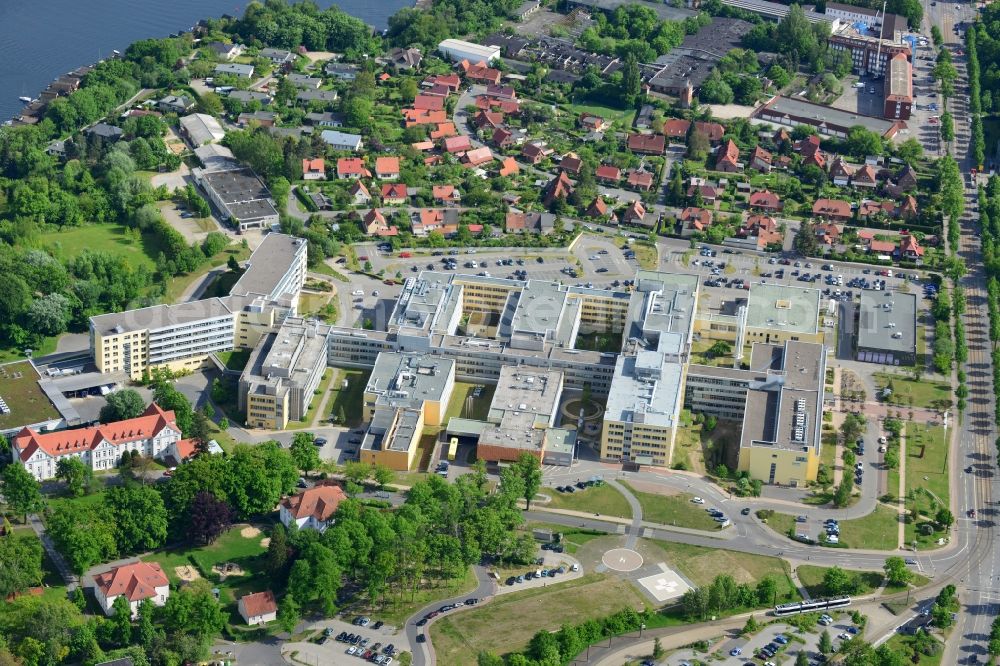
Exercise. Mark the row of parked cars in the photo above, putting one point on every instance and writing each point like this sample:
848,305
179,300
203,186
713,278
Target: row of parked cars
540,573
359,646
471,601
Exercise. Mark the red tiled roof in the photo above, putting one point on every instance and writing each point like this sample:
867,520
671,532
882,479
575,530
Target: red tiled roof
393,191
319,502
713,131
607,172
642,179
478,156
832,207
883,247
509,167
675,128
386,165
443,192
457,144
352,166
316,165
764,199
359,187
571,164
428,102
136,581
259,603
654,144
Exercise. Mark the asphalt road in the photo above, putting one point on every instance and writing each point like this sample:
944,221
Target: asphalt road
423,652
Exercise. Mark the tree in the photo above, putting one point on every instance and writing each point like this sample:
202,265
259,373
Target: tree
383,475
802,658
21,491
767,590
277,552
85,536
947,127
631,81
719,349
304,452
836,581
751,626
122,405
530,471
49,315
910,151
210,517
170,399
121,619
825,643
715,90
139,517
842,496
805,239
863,142
896,571
288,614
658,651
944,517
20,564
75,475
200,431
698,144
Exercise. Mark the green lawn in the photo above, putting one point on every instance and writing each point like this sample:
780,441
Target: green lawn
401,604
19,389
901,644
463,405
926,479
781,523
347,401
624,116
676,510
572,537
52,583
236,359
508,622
602,499
646,255
879,530
701,565
111,238
176,286
811,578
909,393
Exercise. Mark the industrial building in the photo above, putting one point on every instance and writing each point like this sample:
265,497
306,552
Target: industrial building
457,50
870,50
887,328
789,112
240,196
898,88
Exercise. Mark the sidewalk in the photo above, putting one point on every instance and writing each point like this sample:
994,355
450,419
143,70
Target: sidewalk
902,488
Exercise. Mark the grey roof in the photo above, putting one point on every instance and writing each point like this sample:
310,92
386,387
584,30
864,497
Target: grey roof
244,194
818,115
304,81
216,157
289,358
105,131
316,96
783,307
161,316
276,54
336,138
887,321
325,117
664,11
267,265
852,9
250,95
202,128
236,68
775,10
408,379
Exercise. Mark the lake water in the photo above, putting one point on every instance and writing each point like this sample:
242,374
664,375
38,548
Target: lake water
39,42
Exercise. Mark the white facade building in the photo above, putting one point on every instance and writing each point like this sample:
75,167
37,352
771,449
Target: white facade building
458,50
137,582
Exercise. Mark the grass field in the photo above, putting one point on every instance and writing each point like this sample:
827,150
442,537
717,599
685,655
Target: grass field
879,530
811,578
910,393
693,443
52,583
701,565
901,644
926,479
699,355
236,359
603,499
19,389
478,407
396,611
781,523
111,238
624,116
457,639
646,255
572,537
348,400
676,510
176,286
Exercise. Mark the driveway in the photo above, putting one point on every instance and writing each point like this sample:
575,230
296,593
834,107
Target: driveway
423,653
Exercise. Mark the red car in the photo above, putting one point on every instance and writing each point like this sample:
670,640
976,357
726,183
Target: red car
405,255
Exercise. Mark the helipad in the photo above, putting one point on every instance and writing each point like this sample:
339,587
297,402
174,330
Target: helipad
622,559
666,585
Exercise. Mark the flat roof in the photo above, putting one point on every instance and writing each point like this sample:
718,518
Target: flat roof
645,390
471,47
887,320
663,11
539,308
409,379
899,82
783,307
268,264
161,316
526,390
802,112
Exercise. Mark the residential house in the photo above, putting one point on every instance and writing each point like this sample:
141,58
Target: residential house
443,131
325,119
457,144
405,58
238,70
645,118
225,51
781,137
607,173
881,247
491,119
136,582
570,163
592,123
908,209
597,208
698,219
304,81
341,71
714,131
248,96
447,195
360,194
477,157
865,177
341,140
438,90
443,220
394,194
909,248
324,96
832,209
761,159
534,152
423,146
765,200
675,128
518,222
907,179
321,201
635,213
640,180
375,224
827,233
451,81
841,172
700,187
313,508
480,73
559,187
414,117
509,167
502,138
647,144
175,104
258,608
869,209
314,169
387,168
278,56
428,103
352,167
729,158
56,148
764,228
810,151
262,118
104,132
501,92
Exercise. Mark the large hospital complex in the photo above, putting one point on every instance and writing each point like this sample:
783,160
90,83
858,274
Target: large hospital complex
531,339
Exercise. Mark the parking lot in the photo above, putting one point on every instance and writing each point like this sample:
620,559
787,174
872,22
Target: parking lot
333,646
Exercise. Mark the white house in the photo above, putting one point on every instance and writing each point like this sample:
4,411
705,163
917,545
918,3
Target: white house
137,582
239,70
458,50
341,140
312,508
154,434
258,608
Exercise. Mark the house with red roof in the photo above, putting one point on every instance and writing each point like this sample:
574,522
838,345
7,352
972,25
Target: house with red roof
502,92
635,213
607,173
258,608
480,73
713,131
676,128
477,157
876,246
809,149
428,103
509,167
827,233
491,119
765,200
314,169
908,209
865,177
570,163
426,220
762,227
698,219
869,208
832,209
451,81
352,167
640,180
699,186
729,158
647,144
387,168
313,508
519,222
394,194
593,123
457,144
502,138
597,208
443,130
761,160
841,172
136,582
375,224
414,117
360,194
447,195
153,434
559,187
909,248
534,152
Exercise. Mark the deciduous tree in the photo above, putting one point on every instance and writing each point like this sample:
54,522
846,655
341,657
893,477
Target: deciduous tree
122,405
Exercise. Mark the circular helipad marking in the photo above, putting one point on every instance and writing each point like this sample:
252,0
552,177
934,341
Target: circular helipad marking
622,559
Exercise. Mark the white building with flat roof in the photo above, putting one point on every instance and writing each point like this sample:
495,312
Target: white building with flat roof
458,50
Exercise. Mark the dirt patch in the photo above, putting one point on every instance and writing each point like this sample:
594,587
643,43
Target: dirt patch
187,573
249,532
265,542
